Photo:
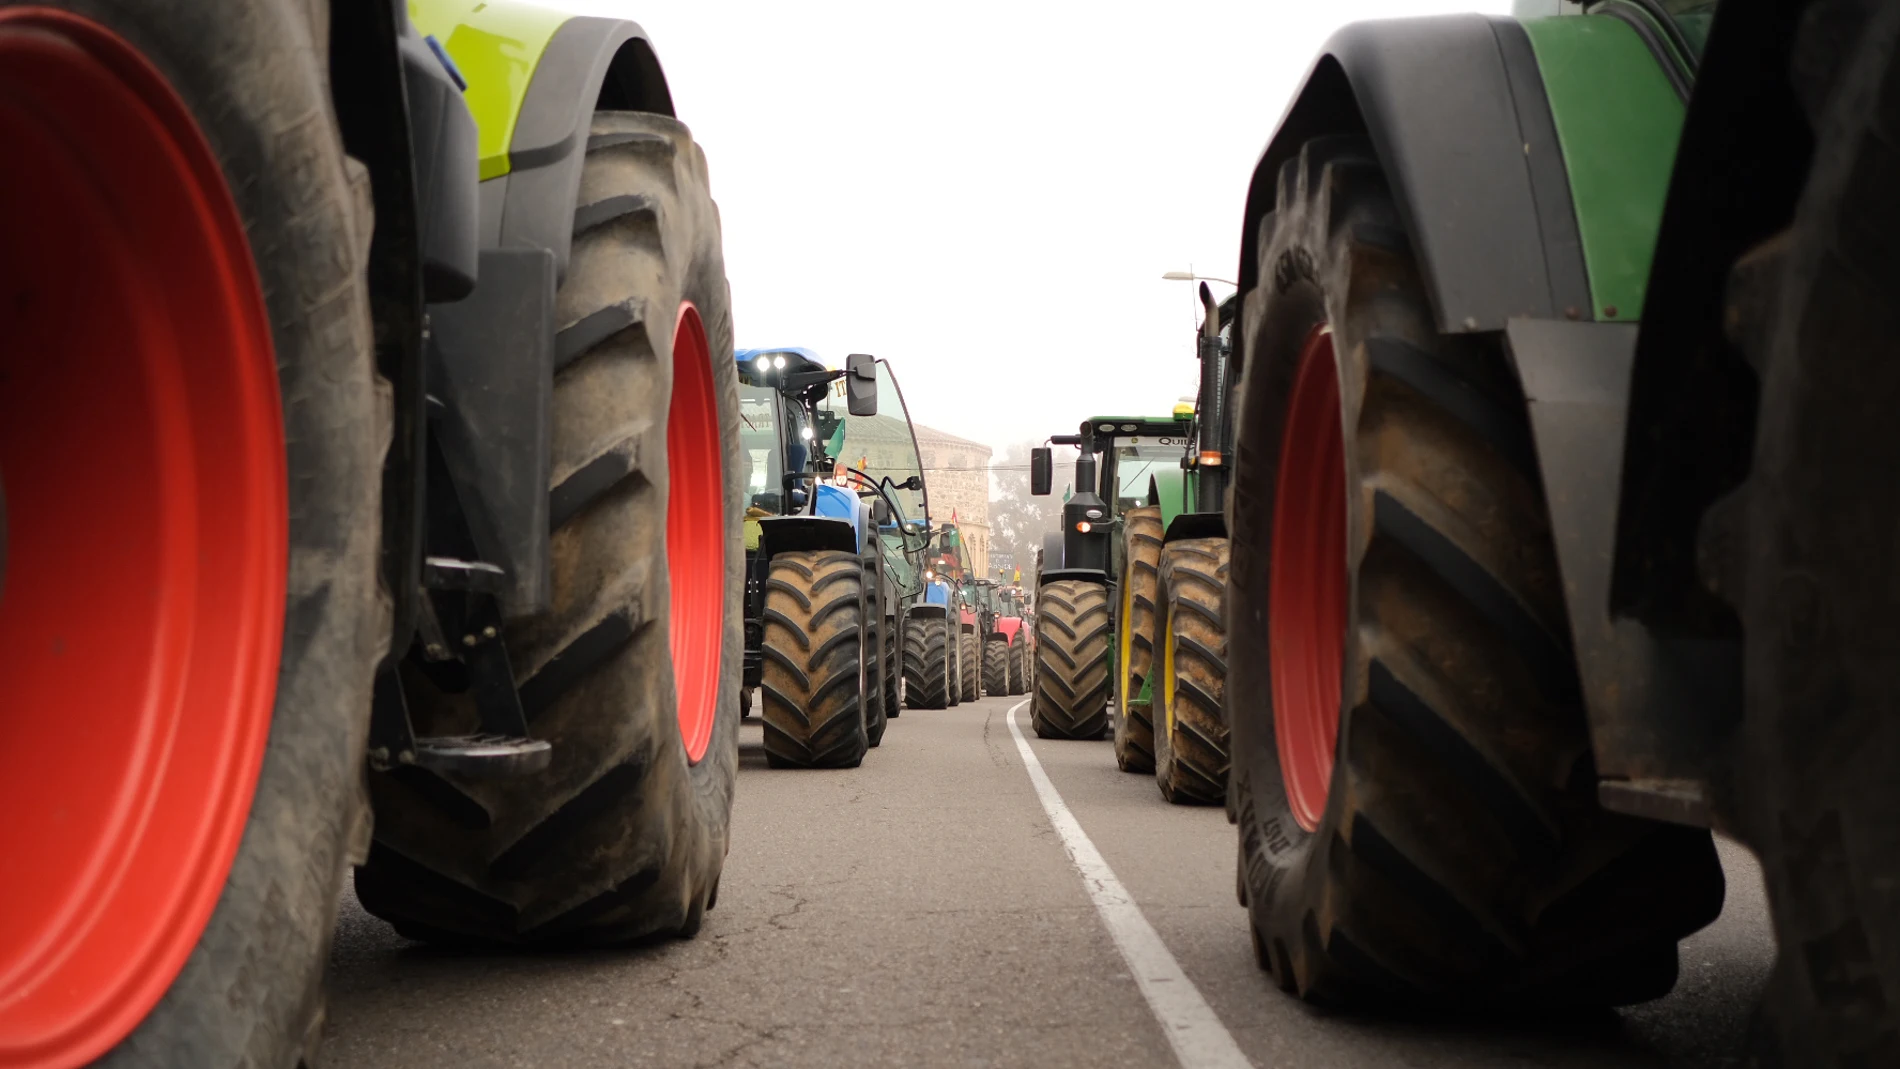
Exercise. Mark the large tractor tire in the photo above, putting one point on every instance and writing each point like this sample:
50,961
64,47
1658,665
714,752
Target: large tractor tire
633,673
1141,562
876,710
1072,637
996,665
1190,678
969,666
1812,308
1019,663
926,662
893,670
1412,767
954,676
815,715
192,445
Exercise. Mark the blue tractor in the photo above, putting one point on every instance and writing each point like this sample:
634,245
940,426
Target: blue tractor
833,550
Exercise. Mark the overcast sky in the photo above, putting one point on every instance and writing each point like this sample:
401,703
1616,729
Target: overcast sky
988,193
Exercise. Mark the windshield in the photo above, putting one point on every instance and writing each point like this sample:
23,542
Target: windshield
881,446
1135,460
759,443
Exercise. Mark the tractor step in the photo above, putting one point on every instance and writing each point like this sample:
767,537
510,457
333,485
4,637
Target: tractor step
483,756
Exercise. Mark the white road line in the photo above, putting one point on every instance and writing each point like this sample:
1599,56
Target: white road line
1199,1039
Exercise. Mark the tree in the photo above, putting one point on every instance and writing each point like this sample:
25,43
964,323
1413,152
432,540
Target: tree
1017,520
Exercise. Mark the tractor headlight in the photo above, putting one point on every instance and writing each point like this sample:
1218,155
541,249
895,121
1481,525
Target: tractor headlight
778,362
763,363
1093,514
928,574
805,433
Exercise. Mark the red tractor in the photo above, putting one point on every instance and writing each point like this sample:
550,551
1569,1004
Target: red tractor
1006,655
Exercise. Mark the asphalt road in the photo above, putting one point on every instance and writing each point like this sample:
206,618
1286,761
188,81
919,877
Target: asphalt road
922,910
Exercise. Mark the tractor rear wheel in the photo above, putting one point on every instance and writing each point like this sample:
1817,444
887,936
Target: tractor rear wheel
996,665
814,709
1812,308
1072,637
1412,778
633,673
969,666
893,671
191,443
1189,682
926,662
876,714
1019,663
953,675
1141,561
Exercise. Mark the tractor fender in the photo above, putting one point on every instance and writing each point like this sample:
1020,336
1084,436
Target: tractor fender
535,77
925,611
1008,626
1456,110
786,534
589,63
1195,525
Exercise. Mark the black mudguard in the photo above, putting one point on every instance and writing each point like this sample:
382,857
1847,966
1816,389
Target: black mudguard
1456,111
589,63
787,534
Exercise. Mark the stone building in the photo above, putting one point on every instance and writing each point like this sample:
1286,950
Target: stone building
958,471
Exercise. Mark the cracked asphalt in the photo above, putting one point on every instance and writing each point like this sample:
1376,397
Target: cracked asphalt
920,910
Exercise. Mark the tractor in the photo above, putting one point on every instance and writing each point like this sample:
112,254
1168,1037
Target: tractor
1005,643
948,651
1561,431
394,524
1171,631
930,654
1083,564
831,551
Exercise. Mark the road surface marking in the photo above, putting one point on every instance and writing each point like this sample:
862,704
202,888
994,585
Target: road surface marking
1199,1039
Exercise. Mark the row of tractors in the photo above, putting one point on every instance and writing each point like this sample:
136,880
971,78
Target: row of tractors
1524,528
382,496
856,605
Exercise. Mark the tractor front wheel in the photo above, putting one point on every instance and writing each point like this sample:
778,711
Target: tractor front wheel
926,662
969,666
814,702
996,665
1141,563
1072,639
1191,727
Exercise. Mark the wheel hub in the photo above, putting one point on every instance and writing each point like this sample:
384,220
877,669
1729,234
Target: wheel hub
1306,613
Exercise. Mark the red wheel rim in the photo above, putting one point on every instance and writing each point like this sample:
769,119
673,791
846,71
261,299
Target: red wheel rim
146,539
1306,610
695,533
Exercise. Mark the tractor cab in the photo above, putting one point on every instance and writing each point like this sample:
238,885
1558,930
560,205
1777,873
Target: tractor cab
1141,462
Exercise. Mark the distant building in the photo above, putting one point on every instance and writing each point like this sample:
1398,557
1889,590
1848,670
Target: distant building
958,472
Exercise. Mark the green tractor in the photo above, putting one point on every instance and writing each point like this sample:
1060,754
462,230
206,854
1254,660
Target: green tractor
1078,633
1171,630
1559,510
833,551
367,425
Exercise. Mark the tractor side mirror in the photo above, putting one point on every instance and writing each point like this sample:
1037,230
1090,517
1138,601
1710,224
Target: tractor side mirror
1041,470
915,482
860,384
880,512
